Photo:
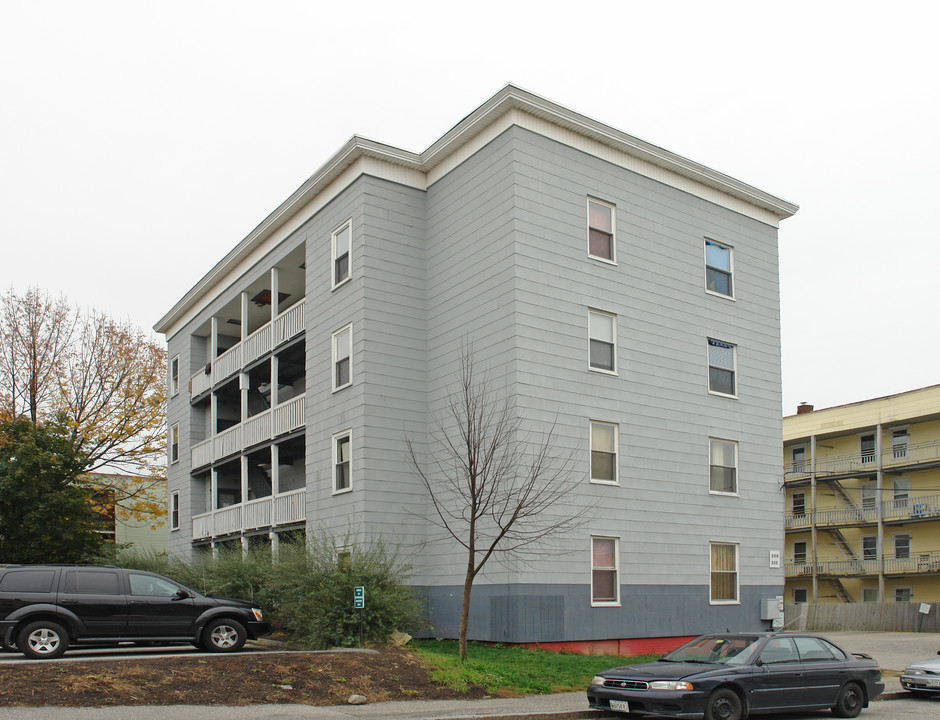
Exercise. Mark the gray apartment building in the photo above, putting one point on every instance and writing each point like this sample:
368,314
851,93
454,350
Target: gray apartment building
625,293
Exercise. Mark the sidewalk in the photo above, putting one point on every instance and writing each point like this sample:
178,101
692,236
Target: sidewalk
563,706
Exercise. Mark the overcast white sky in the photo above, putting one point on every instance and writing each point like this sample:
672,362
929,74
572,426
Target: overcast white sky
140,141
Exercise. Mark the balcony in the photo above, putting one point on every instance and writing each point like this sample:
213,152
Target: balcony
279,420
282,509
898,510
286,326
914,564
892,458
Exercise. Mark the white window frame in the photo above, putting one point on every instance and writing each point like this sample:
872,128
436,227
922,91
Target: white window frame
174,380
616,453
900,450
867,495
904,589
724,344
798,466
737,573
867,457
737,487
335,340
174,509
730,249
592,312
805,552
345,227
910,545
869,590
335,442
805,593
872,547
612,260
174,444
800,493
615,569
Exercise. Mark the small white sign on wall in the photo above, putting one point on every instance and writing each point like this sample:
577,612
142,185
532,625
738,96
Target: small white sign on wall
775,558
924,608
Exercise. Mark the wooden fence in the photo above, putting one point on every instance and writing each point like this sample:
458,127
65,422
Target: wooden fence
863,617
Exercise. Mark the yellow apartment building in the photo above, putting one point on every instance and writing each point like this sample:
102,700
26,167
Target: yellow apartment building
862,485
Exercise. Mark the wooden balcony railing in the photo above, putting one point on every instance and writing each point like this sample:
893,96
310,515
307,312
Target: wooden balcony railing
286,326
909,508
279,420
864,462
282,509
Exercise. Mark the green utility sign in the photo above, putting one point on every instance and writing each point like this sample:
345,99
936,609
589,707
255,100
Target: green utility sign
359,597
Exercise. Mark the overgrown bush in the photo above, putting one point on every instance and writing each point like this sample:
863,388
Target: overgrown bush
308,591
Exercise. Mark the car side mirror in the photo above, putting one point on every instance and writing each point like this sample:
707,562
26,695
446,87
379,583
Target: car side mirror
759,662
182,594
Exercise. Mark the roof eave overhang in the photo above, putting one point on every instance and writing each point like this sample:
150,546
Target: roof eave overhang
509,98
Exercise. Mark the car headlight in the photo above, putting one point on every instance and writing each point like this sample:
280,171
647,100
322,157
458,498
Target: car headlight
598,680
257,613
913,671
670,685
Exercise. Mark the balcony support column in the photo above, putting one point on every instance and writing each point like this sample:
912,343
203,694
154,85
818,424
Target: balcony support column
879,505
812,514
275,472
275,295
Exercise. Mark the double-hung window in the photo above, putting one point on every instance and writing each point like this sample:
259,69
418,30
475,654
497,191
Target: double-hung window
798,503
722,358
341,478
799,552
724,572
902,546
866,446
899,442
866,494
174,443
604,452
341,244
342,358
175,375
601,239
605,571
602,328
718,268
723,462
869,547
175,510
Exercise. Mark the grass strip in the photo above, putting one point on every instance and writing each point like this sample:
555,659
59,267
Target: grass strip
514,671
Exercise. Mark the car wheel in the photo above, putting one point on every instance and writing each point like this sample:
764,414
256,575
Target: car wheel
224,636
723,704
850,701
42,640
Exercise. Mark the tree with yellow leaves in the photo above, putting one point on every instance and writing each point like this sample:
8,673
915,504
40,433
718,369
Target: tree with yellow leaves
106,377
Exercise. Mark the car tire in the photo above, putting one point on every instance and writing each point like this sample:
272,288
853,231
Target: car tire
850,702
224,635
723,704
42,640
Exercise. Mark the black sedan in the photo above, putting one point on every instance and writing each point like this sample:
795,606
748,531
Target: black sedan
728,676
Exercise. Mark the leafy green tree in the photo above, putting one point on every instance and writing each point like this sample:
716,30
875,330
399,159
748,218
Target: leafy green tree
46,513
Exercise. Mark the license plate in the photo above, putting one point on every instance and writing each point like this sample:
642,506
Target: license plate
931,682
620,706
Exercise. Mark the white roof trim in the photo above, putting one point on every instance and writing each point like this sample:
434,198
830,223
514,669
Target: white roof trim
433,162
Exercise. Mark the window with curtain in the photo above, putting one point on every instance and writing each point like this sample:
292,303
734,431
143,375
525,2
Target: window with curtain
724,572
603,452
605,583
723,466
601,230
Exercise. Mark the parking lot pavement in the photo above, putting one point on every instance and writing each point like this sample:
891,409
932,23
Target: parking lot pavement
125,652
893,651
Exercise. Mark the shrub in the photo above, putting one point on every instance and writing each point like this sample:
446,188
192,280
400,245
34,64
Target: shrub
308,591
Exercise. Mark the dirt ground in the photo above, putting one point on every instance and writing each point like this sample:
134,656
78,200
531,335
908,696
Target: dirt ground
303,678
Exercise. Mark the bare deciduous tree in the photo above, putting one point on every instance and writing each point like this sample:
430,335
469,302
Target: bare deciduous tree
492,486
106,377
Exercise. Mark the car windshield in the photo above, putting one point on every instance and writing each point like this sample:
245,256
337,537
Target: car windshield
717,649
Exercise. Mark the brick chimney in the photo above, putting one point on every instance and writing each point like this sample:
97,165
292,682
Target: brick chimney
804,408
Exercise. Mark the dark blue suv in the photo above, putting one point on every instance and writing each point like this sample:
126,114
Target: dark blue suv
44,609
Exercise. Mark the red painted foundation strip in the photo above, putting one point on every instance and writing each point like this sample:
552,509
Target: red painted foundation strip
624,647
